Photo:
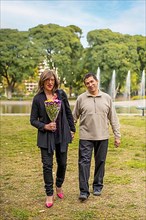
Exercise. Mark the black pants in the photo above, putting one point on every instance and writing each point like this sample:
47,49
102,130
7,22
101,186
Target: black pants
85,154
47,160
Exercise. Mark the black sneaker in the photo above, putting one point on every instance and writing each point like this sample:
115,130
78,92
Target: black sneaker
83,197
97,193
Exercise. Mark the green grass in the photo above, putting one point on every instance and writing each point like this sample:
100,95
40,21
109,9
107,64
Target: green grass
22,187
20,214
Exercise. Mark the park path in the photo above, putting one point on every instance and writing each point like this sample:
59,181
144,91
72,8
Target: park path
135,103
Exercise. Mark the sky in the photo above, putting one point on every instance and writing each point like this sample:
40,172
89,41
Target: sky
123,16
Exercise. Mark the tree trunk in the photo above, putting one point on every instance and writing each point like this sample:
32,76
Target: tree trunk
70,91
9,90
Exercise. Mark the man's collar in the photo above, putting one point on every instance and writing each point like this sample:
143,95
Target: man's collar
89,94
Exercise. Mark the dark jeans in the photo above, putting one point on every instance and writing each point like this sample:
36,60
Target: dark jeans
85,154
47,160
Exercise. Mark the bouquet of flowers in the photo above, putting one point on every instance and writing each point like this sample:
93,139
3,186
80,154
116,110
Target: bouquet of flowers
52,108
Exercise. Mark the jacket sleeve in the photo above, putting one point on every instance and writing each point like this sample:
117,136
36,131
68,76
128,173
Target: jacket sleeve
68,112
34,116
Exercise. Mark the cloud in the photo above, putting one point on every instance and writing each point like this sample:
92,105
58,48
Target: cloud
131,21
127,17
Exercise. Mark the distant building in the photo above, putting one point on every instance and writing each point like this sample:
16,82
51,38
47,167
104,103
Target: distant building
30,86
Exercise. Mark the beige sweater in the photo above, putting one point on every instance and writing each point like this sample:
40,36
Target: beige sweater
95,114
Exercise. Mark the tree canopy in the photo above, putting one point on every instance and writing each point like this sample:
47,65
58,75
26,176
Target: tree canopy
22,52
114,51
17,57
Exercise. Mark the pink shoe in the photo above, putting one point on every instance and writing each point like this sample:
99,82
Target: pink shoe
60,195
49,204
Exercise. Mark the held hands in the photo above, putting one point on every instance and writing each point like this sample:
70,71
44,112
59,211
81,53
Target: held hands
51,126
117,142
72,134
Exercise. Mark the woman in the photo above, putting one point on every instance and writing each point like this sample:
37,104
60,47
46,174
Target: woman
52,136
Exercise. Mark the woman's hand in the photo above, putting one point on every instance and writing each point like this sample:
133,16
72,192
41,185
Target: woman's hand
50,127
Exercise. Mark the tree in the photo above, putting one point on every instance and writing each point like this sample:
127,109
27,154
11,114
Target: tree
17,58
112,51
141,50
61,47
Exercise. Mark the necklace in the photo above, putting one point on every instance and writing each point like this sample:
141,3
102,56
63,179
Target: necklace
51,96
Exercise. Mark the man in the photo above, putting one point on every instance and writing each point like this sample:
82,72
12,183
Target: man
95,110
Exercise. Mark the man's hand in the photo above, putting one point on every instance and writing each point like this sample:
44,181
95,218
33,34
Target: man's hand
117,142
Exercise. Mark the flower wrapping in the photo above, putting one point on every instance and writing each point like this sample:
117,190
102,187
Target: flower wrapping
53,108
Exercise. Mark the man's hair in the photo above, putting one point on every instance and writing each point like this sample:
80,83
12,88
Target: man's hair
90,75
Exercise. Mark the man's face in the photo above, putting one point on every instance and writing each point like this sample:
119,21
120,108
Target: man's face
91,85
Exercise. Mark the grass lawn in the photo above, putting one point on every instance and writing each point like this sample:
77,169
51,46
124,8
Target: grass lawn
22,187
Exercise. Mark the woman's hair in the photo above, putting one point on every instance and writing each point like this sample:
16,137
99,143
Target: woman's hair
47,74
89,75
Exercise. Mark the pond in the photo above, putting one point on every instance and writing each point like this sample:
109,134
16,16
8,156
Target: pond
15,107
24,107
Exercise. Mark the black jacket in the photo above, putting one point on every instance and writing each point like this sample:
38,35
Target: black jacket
65,122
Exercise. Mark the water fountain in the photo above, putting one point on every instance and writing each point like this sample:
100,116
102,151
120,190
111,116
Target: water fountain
127,87
142,86
127,94
142,93
98,77
112,87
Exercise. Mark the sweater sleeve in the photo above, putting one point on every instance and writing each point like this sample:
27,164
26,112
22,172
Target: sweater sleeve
75,111
114,121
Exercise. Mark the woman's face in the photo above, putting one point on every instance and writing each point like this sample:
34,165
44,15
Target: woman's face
49,84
